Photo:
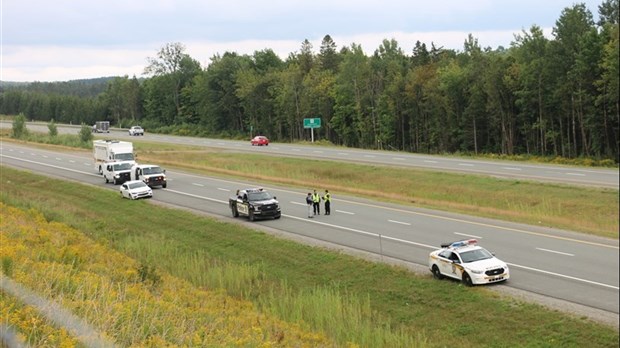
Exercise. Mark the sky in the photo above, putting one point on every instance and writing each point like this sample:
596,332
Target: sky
62,40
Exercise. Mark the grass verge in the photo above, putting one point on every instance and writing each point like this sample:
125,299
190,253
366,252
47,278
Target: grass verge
347,299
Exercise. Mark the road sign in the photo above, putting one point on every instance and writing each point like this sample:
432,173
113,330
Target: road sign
312,123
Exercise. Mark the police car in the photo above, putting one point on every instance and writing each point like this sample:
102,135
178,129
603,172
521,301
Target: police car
466,261
254,203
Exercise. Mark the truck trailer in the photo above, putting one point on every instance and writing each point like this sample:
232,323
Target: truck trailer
111,150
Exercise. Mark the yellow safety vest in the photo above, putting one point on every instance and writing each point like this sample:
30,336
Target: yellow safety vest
327,197
316,198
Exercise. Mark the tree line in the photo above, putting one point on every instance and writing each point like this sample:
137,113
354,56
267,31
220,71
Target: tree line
541,96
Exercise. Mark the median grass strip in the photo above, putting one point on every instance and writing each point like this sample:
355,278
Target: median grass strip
348,300
589,210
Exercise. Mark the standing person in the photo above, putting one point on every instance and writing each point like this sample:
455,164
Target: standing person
310,203
316,203
328,202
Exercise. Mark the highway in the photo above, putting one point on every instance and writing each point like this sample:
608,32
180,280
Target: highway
597,177
560,264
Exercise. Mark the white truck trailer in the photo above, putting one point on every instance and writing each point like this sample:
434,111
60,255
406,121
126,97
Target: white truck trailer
111,150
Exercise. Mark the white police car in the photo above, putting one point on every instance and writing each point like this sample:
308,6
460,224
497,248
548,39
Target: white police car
466,261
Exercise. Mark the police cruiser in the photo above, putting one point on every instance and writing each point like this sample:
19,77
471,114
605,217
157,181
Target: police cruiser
254,203
466,261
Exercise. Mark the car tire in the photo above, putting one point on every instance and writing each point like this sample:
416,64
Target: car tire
277,217
106,179
235,213
251,215
467,280
115,181
436,272
164,185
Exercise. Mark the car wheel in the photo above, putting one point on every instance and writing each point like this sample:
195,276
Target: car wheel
115,181
106,179
235,213
100,171
277,217
164,185
467,280
436,272
251,215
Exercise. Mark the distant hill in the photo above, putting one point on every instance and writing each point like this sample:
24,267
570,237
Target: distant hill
81,88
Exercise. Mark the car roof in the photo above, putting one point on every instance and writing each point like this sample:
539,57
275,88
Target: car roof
135,182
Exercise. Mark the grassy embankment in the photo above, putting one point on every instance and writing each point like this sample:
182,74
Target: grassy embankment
176,256
589,210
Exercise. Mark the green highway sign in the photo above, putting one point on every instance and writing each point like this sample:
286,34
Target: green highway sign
312,123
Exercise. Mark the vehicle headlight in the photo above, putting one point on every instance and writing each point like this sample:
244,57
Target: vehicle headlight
117,176
477,271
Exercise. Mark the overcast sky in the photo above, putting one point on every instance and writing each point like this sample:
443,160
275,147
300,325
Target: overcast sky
61,40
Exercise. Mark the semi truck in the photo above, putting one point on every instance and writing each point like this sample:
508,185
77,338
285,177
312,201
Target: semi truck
112,150
150,174
101,127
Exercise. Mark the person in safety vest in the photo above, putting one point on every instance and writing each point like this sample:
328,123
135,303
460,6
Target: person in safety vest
316,203
328,202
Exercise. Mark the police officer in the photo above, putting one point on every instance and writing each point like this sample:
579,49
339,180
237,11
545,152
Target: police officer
328,202
316,203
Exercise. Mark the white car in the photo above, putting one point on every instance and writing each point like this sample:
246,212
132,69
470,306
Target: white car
466,261
136,130
136,189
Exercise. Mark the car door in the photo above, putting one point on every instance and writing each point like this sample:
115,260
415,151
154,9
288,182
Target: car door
447,266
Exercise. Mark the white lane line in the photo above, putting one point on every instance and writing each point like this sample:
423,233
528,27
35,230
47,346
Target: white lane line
398,158
87,164
555,252
276,148
400,222
564,276
196,184
33,154
223,189
317,151
296,150
297,203
220,143
58,159
44,156
343,153
370,156
427,161
576,174
468,235
511,168
466,164
345,212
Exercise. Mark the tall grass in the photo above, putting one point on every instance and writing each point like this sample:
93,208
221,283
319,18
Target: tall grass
279,276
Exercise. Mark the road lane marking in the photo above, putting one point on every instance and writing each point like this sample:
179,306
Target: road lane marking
196,184
468,235
399,222
343,153
370,156
427,161
555,252
86,164
58,159
71,161
317,151
466,164
511,168
576,174
564,276
345,212
398,158
297,203
223,189
297,150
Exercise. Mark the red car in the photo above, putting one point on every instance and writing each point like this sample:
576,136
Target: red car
259,140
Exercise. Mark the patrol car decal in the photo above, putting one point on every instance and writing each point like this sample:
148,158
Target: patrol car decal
242,208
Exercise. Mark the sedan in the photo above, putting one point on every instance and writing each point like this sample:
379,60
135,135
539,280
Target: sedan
259,140
136,130
136,189
467,262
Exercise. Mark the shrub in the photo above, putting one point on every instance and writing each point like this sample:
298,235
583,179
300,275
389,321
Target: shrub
53,129
86,133
19,126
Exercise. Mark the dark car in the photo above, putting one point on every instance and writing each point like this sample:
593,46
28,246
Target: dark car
259,140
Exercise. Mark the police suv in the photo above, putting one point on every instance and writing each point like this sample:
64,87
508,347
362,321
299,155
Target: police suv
254,203
466,261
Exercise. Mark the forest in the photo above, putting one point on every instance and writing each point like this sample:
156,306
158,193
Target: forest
543,96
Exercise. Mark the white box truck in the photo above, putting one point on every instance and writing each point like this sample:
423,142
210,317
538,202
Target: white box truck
111,150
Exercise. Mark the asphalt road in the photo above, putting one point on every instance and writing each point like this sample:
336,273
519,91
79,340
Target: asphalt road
598,177
560,264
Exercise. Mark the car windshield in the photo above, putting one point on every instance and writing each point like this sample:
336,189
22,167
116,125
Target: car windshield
152,170
475,255
137,128
135,185
259,196
124,156
122,166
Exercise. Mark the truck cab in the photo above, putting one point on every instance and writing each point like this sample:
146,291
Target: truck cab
117,171
150,174
254,203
